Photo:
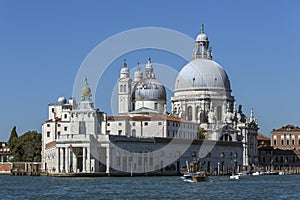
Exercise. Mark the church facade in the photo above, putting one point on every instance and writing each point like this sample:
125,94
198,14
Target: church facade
80,138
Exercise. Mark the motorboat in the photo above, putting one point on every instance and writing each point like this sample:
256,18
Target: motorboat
187,177
200,176
195,177
234,176
238,176
256,173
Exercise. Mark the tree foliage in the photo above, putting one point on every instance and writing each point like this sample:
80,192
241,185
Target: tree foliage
13,134
27,147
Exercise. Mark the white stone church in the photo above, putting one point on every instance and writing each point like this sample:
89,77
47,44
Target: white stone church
203,125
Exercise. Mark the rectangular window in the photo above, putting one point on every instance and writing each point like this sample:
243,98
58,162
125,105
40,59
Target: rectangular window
155,106
274,142
108,132
52,110
58,125
58,133
108,124
120,132
120,124
282,142
146,123
140,160
118,158
48,133
151,161
66,116
48,125
288,142
65,128
133,123
82,128
159,123
293,142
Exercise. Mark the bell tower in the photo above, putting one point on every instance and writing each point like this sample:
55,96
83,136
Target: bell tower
124,90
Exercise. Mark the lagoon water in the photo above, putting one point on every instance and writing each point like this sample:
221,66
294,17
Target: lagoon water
172,187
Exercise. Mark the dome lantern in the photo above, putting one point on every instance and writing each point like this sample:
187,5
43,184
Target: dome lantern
202,48
125,71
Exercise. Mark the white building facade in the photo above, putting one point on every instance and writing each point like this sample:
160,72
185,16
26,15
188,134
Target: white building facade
80,138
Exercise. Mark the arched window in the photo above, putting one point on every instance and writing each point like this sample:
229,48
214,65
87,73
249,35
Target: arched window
125,88
219,113
133,132
226,138
190,113
196,113
121,88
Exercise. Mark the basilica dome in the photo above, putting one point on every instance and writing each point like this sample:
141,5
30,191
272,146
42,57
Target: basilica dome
149,89
202,74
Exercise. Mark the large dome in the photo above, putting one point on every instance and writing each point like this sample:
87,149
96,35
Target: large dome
202,74
149,89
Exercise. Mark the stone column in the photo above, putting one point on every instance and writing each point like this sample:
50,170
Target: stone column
61,156
83,159
74,161
88,160
58,160
67,159
107,160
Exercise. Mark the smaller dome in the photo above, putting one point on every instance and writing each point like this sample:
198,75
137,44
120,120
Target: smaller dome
62,100
149,89
124,70
86,91
202,38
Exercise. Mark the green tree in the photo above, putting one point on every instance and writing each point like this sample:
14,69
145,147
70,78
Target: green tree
13,134
27,147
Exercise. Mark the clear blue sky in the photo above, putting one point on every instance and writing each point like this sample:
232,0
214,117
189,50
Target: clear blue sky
43,43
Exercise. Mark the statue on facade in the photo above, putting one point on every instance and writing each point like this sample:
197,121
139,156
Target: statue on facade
179,112
229,115
211,116
201,116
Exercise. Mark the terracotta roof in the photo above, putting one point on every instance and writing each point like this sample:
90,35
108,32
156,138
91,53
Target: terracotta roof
262,137
288,128
50,144
117,118
154,117
58,119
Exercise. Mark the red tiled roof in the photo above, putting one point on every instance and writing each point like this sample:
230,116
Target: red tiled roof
288,128
56,119
50,144
154,117
262,137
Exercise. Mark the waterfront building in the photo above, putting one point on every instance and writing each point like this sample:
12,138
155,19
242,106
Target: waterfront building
80,138
286,137
4,152
272,158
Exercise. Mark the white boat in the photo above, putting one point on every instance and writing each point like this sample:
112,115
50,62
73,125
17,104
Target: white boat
238,176
187,177
256,173
234,176
194,177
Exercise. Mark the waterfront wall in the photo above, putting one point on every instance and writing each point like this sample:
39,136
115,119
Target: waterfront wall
5,168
